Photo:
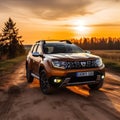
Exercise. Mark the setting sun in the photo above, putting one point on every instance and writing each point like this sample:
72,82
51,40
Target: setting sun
80,28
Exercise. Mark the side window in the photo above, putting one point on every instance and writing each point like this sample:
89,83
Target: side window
39,49
34,48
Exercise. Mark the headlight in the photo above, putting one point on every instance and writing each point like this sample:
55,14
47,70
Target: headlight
98,62
59,64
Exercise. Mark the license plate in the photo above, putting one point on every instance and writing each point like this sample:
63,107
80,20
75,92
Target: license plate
84,74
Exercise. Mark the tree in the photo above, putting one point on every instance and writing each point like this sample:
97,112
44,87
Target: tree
11,38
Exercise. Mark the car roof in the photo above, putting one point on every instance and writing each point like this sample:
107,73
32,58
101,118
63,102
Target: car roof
54,41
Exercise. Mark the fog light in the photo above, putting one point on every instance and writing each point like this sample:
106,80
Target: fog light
102,76
57,80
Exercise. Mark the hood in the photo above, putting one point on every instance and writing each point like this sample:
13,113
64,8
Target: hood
71,56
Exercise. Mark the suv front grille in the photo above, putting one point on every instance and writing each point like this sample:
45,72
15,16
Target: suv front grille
80,64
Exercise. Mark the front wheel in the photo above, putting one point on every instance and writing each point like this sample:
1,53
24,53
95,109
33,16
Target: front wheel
29,76
96,86
46,88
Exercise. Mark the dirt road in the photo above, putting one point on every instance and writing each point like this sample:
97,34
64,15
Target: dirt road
22,101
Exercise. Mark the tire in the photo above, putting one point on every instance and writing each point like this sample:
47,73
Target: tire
28,75
45,86
96,86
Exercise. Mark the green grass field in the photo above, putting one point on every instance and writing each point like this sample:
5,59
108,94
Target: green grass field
111,58
7,66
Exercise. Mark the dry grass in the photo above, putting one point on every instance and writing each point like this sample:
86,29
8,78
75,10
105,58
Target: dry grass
111,58
108,54
7,66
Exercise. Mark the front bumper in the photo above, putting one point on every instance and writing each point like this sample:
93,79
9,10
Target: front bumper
70,79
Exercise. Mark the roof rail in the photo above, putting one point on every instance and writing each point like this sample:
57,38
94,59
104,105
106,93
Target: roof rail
67,41
38,41
42,41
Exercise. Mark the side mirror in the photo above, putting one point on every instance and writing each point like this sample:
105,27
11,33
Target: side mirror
36,54
86,51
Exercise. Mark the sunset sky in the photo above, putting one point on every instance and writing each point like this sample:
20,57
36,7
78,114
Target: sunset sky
62,19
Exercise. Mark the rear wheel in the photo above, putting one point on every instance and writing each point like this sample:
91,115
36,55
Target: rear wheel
46,88
29,76
96,86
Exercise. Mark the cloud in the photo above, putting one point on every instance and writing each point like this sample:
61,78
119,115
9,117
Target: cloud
105,25
49,9
61,9
94,25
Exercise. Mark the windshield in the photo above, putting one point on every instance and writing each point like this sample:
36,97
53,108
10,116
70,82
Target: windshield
53,48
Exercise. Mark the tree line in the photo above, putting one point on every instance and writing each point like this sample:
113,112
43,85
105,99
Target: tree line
95,43
10,40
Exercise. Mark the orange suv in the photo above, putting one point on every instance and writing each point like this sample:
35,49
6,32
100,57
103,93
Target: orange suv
61,63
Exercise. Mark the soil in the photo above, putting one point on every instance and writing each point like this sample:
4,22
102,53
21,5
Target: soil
22,101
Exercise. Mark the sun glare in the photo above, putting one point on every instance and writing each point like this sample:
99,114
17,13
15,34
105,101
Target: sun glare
80,28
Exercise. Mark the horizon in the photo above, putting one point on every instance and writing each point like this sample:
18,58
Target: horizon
62,19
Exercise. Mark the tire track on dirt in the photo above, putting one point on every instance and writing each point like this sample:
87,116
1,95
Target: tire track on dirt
76,106
6,105
77,112
67,105
111,114
95,103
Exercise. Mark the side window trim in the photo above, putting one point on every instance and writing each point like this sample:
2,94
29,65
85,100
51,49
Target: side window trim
39,49
34,48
